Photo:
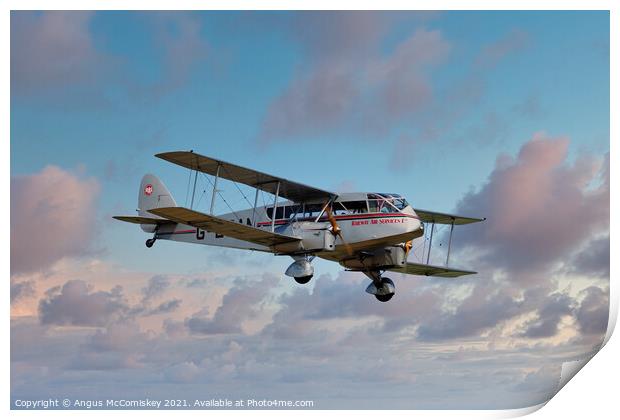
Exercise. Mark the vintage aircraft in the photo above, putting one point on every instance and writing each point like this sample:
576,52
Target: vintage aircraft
367,232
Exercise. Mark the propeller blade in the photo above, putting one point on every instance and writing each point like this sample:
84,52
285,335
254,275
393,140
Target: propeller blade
336,229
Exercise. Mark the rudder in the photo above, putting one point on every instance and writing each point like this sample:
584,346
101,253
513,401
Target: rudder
153,194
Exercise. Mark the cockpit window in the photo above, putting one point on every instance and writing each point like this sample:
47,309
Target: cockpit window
400,203
386,202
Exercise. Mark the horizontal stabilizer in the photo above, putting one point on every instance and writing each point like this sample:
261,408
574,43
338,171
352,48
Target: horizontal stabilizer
445,219
221,226
430,270
141,220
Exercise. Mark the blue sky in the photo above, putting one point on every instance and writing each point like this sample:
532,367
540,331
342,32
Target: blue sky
425,104
558,68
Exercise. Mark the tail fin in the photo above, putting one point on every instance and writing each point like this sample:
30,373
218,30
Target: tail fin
153,194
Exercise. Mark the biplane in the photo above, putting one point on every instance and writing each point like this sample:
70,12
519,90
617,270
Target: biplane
367,232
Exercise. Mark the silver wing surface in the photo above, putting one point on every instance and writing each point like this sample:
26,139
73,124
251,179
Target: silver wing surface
222,226
293,191
445,219
430,270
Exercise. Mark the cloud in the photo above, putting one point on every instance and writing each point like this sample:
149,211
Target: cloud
486,307
593,312
239,304
330,333
117,336
179,40
550,312
453,103
156,285
21,289
118,346
593,260
53,215
55,57
401,79
76,304
539,208
52,49
348,82
531,108
342,33
165,307
493,53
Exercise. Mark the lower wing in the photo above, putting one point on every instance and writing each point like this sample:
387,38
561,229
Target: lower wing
222,226
430,270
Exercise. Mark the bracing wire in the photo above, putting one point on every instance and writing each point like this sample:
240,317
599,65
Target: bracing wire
204,192
423,244
220,194
189,181
236,185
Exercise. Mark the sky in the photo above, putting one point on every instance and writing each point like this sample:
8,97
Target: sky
503,115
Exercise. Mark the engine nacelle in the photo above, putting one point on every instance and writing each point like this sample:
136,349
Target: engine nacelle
300,268
391,256
315,237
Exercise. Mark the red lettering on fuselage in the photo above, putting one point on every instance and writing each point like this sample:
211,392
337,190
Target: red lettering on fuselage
376,221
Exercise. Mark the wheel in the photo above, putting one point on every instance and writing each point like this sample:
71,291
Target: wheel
150,243
387,288
303,280
384,298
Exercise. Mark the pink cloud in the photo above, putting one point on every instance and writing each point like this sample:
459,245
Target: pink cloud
540,207
337,34
75,303
52,217
178,38
492,54
348,82
404,86
52,49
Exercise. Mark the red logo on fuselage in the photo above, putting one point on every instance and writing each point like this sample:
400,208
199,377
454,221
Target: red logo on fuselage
148,190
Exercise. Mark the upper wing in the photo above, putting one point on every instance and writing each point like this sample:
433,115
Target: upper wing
291,190
444,218
143,220
221,226
430,270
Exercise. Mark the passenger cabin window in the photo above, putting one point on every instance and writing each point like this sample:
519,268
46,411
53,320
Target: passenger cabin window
356,207
279,212
339,209
284,212
291,211
312,210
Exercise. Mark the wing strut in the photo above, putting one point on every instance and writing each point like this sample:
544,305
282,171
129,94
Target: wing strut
450,242
430,244
254,208
275,204
191,206
217,176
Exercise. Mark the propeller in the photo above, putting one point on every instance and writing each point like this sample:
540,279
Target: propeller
407,247
336,231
